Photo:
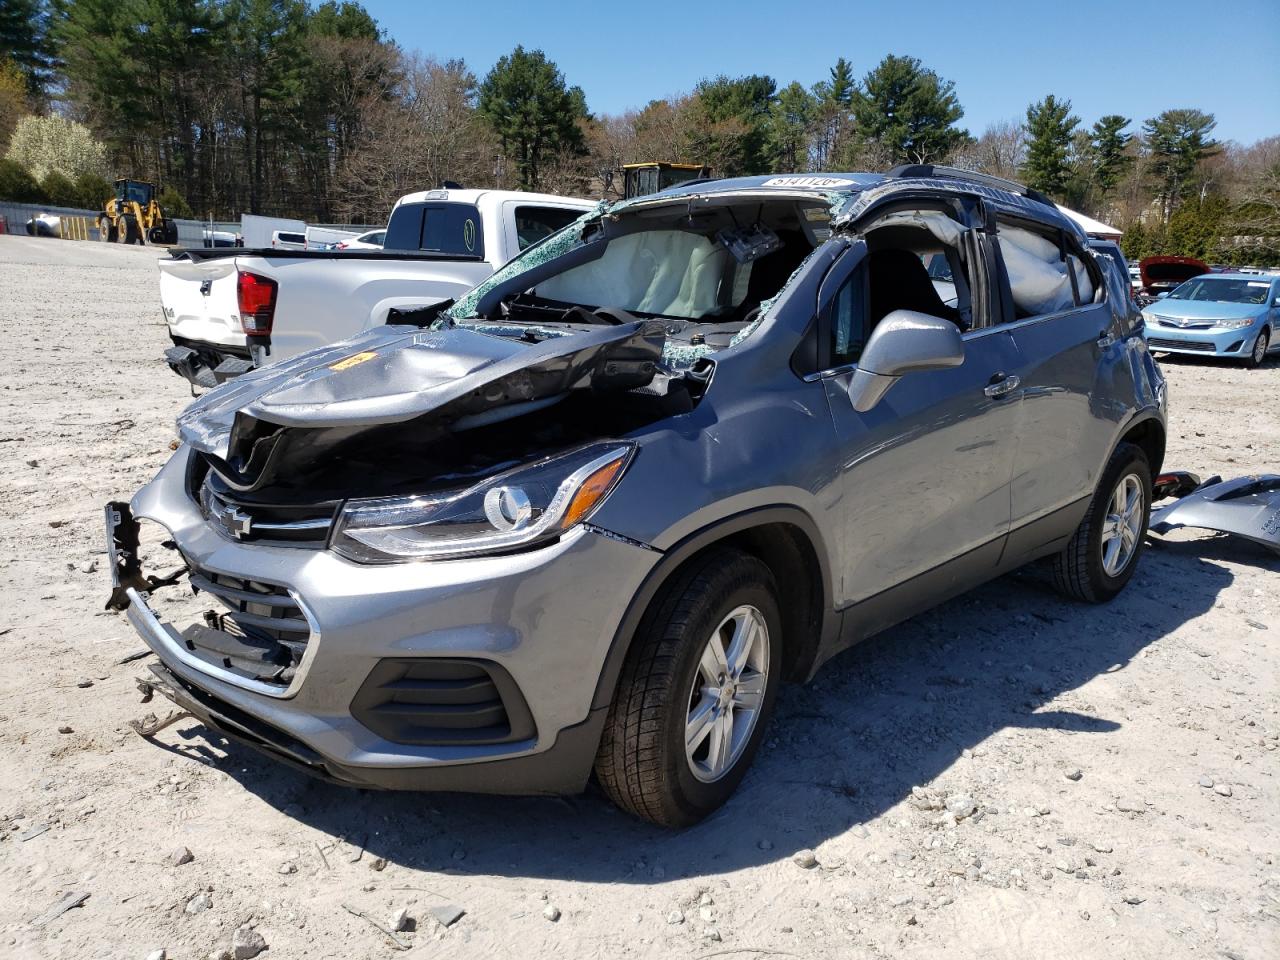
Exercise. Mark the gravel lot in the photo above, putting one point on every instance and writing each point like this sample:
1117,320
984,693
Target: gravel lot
1113,768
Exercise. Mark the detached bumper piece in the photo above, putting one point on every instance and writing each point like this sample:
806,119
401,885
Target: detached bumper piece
1247,507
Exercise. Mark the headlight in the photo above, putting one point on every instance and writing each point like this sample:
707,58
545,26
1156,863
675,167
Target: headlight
1236,324
521,508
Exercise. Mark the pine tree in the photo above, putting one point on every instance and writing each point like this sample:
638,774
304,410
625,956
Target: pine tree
833,100
734,113
908,111
1178,140
1108,151
25,39
791,122
534,114
1050,126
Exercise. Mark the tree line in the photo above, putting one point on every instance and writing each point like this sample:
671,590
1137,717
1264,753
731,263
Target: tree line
277,107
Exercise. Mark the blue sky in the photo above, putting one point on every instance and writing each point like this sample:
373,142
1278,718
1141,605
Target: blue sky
1133,57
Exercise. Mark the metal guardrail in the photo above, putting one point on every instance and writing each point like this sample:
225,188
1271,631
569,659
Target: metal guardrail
84,223
74,228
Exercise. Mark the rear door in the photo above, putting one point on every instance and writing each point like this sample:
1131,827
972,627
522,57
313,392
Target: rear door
1073,371
200,302
925,474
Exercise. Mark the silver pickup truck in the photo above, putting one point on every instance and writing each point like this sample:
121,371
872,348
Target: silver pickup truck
230,310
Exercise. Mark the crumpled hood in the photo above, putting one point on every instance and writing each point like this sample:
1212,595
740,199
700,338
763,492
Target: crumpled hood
392,374
1203,309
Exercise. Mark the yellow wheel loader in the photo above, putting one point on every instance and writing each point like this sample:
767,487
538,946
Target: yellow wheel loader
134,215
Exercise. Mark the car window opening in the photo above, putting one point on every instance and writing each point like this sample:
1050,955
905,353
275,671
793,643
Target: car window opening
1044,277
706,271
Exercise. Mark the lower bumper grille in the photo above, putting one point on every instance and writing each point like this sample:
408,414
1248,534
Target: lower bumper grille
439,701
1166,343
263,634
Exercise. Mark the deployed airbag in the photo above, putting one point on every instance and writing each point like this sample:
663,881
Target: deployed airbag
1038,276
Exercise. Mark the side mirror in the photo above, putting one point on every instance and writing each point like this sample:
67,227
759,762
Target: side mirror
1276,302
903,342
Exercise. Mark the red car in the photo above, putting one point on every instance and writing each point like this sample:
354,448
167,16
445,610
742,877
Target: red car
1162,274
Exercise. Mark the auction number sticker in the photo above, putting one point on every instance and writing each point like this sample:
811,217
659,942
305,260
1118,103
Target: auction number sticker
346,363
812,183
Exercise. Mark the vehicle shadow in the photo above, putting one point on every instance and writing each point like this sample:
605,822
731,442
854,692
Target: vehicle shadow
893,713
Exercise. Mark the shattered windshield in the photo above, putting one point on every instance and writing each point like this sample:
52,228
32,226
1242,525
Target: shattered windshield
549,249
714,264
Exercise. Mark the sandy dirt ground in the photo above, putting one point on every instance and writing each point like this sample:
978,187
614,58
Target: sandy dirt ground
1121,760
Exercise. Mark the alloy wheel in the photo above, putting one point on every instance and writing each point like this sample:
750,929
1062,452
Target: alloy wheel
1122,527
727,693
1260,348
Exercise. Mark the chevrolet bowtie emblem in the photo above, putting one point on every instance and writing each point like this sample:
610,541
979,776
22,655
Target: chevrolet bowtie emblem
236,522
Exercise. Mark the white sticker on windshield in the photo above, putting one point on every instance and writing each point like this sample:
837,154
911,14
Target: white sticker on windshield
1257,283
814,183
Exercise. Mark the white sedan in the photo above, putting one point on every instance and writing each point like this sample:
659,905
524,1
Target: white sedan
366,241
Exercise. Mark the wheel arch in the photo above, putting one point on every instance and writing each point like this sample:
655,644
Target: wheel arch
785,539
1148,434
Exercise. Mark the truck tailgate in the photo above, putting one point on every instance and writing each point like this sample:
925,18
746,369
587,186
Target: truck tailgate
200,301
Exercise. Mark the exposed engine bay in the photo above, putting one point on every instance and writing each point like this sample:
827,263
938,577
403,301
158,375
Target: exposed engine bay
603,328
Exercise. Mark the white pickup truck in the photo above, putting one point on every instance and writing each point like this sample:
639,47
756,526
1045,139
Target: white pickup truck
230,310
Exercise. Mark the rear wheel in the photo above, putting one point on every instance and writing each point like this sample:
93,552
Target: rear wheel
1260,346
106,230
1103,552
695,693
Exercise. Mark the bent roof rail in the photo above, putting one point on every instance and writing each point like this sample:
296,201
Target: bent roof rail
927,171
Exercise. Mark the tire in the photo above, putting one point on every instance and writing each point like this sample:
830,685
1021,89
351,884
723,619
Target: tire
1087,569
642,763
128,231
155,236
1258,355
106,230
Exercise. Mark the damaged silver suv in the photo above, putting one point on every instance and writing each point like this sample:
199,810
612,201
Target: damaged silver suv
590,515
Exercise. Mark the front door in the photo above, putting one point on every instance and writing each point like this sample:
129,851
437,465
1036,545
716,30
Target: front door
925,473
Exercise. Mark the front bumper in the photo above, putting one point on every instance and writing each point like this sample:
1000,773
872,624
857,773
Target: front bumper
545,618
1210,342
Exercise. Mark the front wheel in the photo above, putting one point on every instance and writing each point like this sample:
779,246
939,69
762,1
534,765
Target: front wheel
1260,346
695,693
1102,554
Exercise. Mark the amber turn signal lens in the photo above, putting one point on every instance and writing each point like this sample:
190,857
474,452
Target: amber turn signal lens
592,491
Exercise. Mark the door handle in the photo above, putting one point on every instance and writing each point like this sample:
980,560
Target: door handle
1105,339
1001,385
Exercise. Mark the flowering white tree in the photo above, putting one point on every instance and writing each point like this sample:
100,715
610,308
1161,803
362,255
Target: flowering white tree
44,144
